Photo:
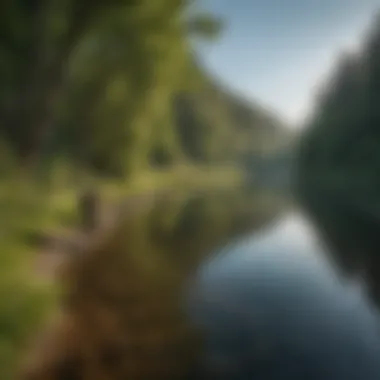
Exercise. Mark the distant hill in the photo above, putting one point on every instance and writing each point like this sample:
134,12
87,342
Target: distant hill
217,125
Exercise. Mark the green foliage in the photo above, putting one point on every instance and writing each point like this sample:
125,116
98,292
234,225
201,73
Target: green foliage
23,309
24,302
342,136
339,162
110,91
204,26
127,289
98,84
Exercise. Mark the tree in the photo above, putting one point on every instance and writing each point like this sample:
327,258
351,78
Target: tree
339,161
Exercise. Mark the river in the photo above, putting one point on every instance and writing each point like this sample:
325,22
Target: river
272,306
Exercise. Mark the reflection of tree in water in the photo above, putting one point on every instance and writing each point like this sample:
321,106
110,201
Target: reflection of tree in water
353,237
190,227
121,316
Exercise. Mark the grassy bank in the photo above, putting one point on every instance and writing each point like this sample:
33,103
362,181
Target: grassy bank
31,206
147,261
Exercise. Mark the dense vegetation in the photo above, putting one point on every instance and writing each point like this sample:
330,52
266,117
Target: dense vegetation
114,87
121,315
339,157
103,92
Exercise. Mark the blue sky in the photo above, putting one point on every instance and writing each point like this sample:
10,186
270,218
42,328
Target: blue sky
277,51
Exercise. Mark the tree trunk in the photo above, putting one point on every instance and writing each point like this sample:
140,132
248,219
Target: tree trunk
42,91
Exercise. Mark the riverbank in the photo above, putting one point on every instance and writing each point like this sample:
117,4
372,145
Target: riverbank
162,243
42,220
40,204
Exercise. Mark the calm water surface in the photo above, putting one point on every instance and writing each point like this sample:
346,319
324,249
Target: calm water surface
272,306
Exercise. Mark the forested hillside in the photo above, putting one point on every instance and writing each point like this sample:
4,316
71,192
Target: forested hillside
339,151
96,94
339,158
115,88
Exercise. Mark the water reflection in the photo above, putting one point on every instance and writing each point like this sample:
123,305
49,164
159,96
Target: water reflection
120,314
269,304
189,227
352,233
273,307
294,235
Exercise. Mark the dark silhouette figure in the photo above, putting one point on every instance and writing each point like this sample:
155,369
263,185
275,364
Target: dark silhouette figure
89,210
